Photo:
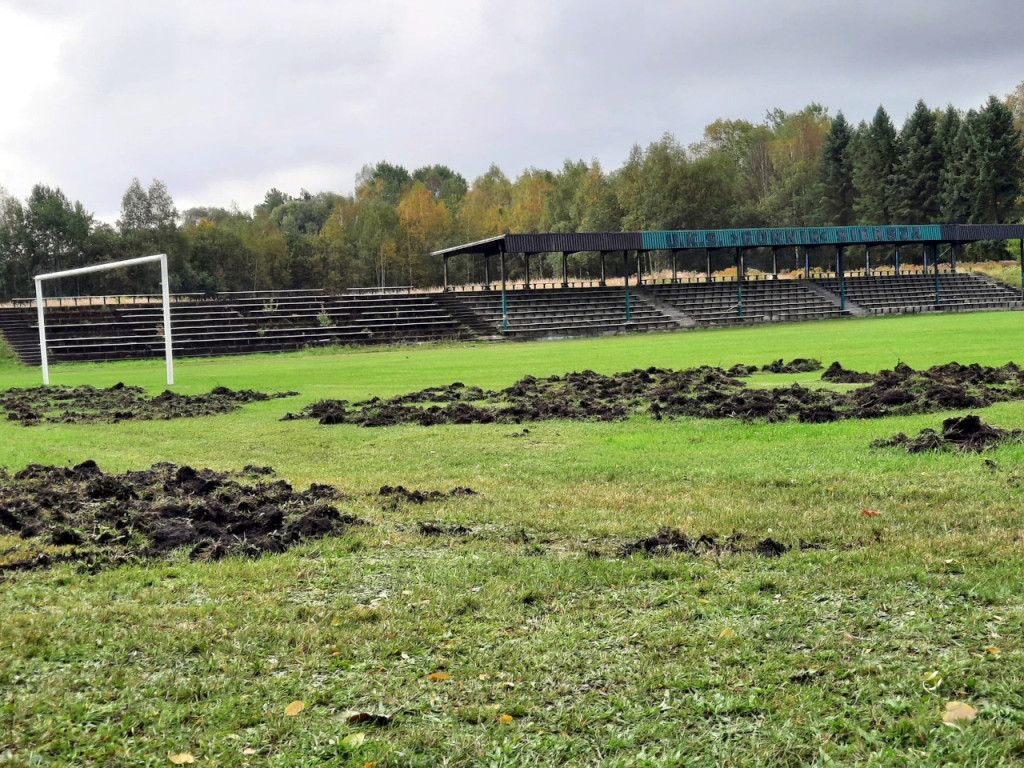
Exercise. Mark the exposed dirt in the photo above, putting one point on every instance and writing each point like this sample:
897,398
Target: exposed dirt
428,528
400,493
836,373
967,434
36,405
669,541
796,365
148,513
703,392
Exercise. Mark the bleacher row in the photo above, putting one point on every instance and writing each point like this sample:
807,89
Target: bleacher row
278,321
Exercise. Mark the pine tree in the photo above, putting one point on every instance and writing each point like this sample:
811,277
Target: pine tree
917,172
873,169
996,146
837,193
952,146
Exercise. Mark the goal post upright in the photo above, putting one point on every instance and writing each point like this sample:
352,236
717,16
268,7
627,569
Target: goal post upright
165,291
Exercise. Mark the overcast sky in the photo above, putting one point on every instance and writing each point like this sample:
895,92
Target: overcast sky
224,100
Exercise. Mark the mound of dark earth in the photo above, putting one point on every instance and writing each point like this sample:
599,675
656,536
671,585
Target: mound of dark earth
704,392
398,493
836,373
967,434
670,541
119,403
148,513
796,365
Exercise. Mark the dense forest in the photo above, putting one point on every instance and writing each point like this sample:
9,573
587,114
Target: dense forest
800,168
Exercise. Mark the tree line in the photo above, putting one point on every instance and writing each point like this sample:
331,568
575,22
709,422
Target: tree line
802,168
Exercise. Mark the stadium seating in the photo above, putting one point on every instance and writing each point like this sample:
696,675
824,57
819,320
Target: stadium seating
762,301
227,324
556,312
960,292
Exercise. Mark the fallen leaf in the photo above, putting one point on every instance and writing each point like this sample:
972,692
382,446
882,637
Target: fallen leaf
869,512
505,718
294,708
994,650
250,751
483,676
354,740
439,676
335,621
355,716
182,758
958,712
372,764
727,634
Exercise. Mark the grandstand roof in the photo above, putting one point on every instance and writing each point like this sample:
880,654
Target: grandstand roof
686,239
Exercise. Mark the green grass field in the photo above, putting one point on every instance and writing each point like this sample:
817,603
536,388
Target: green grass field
556,650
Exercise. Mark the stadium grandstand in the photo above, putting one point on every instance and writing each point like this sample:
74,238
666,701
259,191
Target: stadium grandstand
716,278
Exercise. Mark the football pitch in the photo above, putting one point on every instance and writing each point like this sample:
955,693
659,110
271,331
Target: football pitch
519,625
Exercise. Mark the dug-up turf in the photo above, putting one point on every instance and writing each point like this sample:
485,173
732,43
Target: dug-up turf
670,541
114,518
35,405
107,519
966,434
704,392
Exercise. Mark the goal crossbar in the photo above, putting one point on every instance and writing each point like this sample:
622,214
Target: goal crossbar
165,290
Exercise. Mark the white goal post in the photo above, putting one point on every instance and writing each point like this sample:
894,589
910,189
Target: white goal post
161,257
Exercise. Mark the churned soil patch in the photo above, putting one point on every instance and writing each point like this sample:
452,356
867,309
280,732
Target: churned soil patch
796,365
415,496
148,513
966,434
668,541
35,405
704,392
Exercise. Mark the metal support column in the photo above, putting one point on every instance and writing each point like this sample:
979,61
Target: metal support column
707,257
775,263
639,267
504,299
954,251
807,263
841,274
603,281
935,262
625,266
565,270
445,262
924,257
487,273
739,282
526,259
675,271
896,259
867,261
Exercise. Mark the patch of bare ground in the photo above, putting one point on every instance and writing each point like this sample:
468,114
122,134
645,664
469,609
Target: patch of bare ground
66,405
703,392
965,434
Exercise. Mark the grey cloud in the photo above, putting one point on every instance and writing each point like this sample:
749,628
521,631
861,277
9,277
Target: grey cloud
218,96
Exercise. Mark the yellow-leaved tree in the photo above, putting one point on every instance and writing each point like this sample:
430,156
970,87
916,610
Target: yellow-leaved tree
424,224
